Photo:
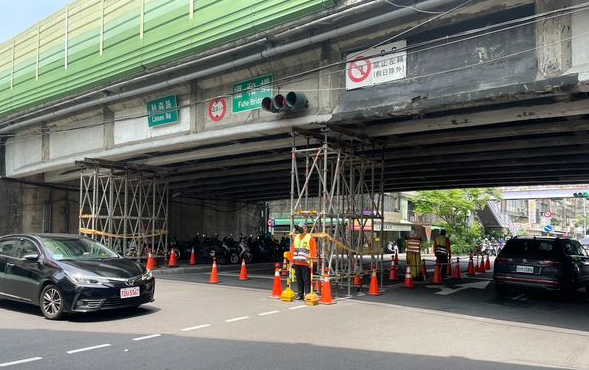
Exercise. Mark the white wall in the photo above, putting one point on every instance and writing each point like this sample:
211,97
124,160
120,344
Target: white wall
22,151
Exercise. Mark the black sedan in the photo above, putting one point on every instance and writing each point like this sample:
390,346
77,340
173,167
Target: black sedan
542,263
64,273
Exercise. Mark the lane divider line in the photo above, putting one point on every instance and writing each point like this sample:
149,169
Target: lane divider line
147,337
196,327
87,349
238,319
24,361
297,307
268,313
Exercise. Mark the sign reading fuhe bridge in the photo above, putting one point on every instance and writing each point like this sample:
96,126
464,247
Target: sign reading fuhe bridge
248,95
161,111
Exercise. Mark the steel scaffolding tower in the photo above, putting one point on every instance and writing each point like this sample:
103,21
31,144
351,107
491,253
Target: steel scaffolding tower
124,206
337,186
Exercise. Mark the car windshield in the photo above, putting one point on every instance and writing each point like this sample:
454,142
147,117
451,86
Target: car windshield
531,247
76,249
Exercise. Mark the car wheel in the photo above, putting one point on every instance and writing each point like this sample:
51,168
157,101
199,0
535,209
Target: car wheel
52,302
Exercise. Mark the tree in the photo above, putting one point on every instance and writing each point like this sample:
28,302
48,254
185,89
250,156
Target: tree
454,207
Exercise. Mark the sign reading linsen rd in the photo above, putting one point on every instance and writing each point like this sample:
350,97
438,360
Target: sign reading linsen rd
161,111
248,95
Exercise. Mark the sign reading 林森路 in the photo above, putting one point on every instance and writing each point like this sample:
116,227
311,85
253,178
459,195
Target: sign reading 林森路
161,111
248,95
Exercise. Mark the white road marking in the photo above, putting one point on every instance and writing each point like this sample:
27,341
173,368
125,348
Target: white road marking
24,361
297,307
87,348
196,327
268,313
238,319
147,337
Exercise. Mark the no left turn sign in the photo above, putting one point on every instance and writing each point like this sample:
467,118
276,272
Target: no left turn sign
359,70
547,214
217,109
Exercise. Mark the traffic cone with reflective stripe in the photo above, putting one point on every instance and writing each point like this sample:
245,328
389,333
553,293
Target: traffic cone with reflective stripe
488,264
457,273
150,263
284,271
214,277
408,278
482,265
423,270
373,289
243,272
470,270
192,257
173,260
437,274
277,288
326,293
396,258
393,274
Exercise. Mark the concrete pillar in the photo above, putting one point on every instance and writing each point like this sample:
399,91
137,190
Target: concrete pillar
108,117
553,40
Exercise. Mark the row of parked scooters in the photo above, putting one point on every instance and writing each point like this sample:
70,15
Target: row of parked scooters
230,250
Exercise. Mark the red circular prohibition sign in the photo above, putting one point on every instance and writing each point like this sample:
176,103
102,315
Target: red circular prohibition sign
363,69
217,109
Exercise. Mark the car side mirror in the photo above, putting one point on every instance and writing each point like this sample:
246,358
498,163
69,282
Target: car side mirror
31,257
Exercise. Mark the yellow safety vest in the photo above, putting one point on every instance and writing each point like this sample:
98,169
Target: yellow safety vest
302,248
440,242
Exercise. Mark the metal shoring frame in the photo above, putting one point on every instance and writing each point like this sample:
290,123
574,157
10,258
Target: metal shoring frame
344,181
115,202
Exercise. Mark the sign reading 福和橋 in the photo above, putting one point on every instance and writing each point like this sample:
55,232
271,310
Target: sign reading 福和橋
376,65
248,95
161,111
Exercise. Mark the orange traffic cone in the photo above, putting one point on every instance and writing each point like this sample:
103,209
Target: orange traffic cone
277,288
150,263
173,260
470,270
326,293
424,270
482,265
449,267
243,272
393,274
396,258
457,273
408,278
357,280
438,274
284,271
488,264
373,289
192,257
214,278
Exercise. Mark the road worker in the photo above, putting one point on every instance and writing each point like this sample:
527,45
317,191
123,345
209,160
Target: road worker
302,252
443,251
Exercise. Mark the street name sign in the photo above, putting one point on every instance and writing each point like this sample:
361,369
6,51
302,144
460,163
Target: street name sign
161,111
248,95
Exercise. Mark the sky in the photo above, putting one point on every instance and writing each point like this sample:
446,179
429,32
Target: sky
21,14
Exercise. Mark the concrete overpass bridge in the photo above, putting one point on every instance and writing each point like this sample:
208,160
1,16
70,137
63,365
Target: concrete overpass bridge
444,93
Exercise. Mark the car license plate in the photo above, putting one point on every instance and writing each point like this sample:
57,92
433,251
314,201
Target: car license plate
130,292
525,269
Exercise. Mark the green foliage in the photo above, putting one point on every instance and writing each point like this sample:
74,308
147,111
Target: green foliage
454,207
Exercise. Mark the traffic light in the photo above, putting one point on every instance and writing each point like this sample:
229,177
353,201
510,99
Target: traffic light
280,103
581,195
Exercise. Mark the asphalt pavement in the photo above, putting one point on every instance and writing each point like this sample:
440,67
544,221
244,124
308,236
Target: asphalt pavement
234,325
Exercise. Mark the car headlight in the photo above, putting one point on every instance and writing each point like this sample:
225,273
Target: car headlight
80,279
148,275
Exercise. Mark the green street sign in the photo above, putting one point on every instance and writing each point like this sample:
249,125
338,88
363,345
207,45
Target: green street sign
248,95
161,111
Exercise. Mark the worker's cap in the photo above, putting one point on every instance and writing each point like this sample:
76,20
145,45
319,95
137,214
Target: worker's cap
302,225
